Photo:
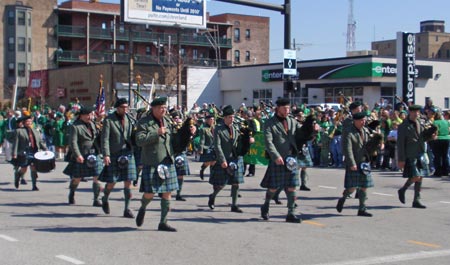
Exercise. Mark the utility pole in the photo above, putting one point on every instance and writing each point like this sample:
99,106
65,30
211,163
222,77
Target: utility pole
131,65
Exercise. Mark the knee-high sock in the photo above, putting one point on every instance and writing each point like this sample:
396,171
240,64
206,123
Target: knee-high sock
216,191
234,194
303,177
269,196
73,187
165,207
345,194
291,196
180,186
407,184
127,195
96,190
417,188
276,194
145,202
34,177
106,192
362,200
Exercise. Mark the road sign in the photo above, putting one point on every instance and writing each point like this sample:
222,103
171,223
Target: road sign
290,62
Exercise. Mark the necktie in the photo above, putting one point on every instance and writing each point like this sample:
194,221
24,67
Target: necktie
32,141
231,132
285,125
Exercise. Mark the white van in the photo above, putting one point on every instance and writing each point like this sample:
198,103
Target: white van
335,106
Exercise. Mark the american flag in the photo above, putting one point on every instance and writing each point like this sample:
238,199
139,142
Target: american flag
100,102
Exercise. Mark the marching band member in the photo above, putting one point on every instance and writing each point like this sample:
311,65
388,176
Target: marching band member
118,157
206,149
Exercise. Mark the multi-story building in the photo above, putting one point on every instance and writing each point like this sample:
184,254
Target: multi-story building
432,42
28,42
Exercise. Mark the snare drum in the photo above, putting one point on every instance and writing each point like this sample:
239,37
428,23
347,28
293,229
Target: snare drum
44,161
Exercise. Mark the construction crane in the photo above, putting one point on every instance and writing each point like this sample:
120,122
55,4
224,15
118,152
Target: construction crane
351,28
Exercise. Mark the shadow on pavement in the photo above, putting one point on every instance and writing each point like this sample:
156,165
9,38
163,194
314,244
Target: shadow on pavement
86,229
35,204
57,215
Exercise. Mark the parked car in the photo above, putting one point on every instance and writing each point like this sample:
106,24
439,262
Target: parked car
335,106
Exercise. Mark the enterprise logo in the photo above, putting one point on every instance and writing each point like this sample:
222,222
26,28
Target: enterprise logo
380,70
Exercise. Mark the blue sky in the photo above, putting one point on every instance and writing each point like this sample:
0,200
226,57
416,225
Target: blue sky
320,26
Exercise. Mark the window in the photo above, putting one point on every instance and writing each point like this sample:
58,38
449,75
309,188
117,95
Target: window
21,44
237,56
103,25
418,39
11,44
183,52
237,35
264,95
148,50
446,103
247,34
388,95
21,18
11,69
21,70
247,56
439,54
29,44
448,54
195,54
29,19
29,67
122,47
10,17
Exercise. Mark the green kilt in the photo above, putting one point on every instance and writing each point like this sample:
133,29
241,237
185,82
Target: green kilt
304,159
137,155
207,155
81,170
152,183
415,168
113,173
219,176
183,170
24,160
278,176
356,179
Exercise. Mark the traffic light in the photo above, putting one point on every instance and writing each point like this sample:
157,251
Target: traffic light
291,85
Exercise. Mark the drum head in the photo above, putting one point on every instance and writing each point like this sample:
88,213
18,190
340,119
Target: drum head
44,155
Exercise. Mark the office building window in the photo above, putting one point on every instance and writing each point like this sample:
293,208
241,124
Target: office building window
247,56
237,35
122,47
29,44
21,70
148,50
264,95
11,44
183,52
29,19
237,56
195,54
103,25
11,70
21,44
247,34
446,103
10,17
21,18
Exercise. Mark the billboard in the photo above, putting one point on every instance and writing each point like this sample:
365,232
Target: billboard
406,66
182,13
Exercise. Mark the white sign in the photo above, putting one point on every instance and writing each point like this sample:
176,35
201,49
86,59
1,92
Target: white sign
290,62
182,13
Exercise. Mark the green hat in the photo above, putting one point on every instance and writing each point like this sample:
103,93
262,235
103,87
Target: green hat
227,110
159,101
120,102
414,107
354,105
359,115
283,102
85,110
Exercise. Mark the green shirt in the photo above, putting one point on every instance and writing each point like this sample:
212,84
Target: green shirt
443,129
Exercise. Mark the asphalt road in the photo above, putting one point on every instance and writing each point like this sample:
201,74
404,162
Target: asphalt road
39,227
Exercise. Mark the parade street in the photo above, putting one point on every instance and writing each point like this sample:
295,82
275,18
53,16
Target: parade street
39,227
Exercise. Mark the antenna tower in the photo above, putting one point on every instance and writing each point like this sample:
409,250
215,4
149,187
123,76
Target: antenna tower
351,27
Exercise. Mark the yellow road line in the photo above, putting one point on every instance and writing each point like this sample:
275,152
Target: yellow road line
424,244
314,223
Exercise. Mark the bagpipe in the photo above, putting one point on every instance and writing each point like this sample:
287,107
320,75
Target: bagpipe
429,132
245,133
307,132
182,134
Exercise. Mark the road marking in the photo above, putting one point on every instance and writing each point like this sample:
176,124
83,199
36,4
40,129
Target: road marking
424,244
314,223
382,194
394,258
328,187
69,259
8,238
444,202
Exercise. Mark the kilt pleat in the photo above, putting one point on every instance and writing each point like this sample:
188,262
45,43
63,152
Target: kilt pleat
278,176
415,169
183,170
207,156
81,170
219,176
113,173
152,183
356,179
305,160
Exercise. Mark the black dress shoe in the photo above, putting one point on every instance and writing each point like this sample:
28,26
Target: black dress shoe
71,198
417,204
140,217
105,205
364,213
23,182
340,205
250,175
201,174
97,203
265,212
179,198
290,218
128,213
401,195
305,188
211,202
166,227
16,182
35,188
236,209
277,201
